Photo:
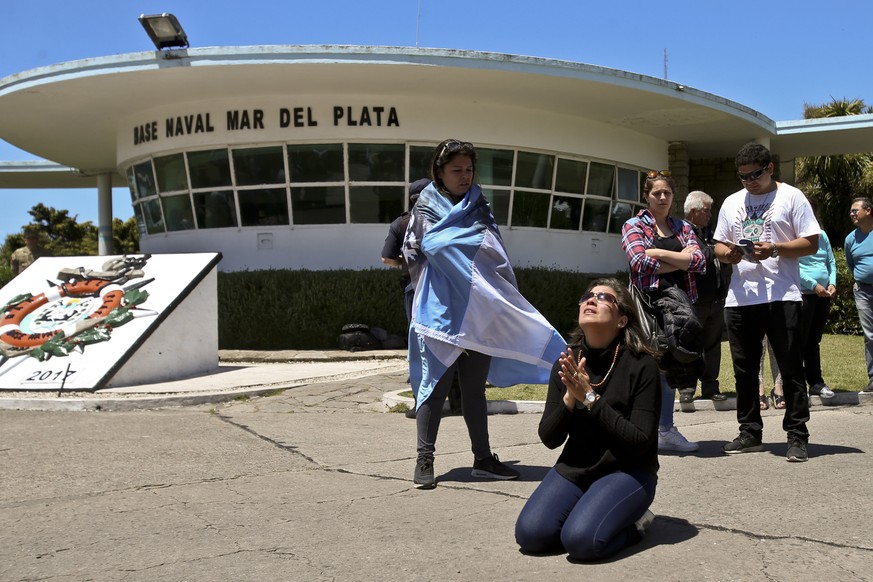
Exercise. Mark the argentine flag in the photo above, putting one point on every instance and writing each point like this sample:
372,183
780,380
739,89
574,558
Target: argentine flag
466,297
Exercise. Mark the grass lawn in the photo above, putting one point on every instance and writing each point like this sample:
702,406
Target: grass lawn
842,364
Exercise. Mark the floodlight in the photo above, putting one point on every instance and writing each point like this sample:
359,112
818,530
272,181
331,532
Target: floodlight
164,30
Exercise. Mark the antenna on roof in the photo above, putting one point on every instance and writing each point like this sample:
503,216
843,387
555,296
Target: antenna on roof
665,63
418,24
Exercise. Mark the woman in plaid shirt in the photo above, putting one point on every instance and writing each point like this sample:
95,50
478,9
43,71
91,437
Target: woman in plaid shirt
662,251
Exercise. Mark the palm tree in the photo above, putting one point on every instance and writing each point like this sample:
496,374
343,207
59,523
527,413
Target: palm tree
832,181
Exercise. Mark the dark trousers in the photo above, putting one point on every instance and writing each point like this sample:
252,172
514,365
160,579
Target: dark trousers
813,319
711,315
589,524
746,326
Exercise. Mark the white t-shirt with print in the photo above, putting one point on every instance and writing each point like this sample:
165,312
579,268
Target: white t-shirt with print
778,216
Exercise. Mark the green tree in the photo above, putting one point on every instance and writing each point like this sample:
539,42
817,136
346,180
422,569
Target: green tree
832,181
125,236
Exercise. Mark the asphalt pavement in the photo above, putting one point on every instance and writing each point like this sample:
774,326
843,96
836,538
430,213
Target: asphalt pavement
311,480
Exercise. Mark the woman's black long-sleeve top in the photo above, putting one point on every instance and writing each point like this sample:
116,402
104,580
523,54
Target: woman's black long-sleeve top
620,432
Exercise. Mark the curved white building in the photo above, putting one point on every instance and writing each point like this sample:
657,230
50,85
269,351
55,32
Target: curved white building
299,156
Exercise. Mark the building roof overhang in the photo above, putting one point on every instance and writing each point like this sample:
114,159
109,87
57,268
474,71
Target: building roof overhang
70,113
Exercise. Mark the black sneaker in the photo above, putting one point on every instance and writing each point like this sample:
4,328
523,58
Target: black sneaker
410,413
686,396
492,468
744,443
796,450
717,397
424,474
869,387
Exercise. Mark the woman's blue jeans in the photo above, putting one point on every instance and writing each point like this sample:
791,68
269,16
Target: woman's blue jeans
589,524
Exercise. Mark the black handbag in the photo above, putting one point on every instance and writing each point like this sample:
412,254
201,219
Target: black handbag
646,312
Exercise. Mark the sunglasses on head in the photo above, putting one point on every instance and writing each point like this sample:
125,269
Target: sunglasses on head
453,146
661,173
601,297
752,176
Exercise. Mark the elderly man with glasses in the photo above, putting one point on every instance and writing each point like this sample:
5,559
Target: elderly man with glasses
764,296
859,259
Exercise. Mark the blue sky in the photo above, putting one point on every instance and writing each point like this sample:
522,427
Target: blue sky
772,57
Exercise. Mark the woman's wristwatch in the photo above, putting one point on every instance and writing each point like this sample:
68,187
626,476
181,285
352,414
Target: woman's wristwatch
590,398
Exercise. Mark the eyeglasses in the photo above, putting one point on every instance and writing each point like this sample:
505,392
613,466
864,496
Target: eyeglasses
752,176
854,211
454,145
662,173
601,297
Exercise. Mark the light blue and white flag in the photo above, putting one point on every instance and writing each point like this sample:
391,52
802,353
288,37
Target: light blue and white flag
466,297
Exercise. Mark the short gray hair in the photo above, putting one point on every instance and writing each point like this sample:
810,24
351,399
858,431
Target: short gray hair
696,200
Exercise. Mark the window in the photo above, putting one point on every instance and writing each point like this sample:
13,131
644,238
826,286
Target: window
377,162
499,201
601,179
263,207
215,209
316,163
171,173
209,169
494,166
628,185
420,159
566,213
571,176
154,221
596,215
530,209
369,204
145,180
534,171
177,211
258,166
318,205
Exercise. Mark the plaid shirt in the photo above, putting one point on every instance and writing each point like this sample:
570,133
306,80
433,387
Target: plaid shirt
638,235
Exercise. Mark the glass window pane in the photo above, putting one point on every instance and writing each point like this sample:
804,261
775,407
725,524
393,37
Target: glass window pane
152,211
316,163
621,212
628,182
499,201
596,215
255,166
145,179
131,183
571,176
376,162
209,169
140,220
374,204
215,209
319,205
530,209
177,212
566,213
494,167
171,173
420,159
601,178
265,206
534,171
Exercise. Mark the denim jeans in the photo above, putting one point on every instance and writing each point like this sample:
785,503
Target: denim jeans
780,321
813,319
864,303
472,370
588,524
668,404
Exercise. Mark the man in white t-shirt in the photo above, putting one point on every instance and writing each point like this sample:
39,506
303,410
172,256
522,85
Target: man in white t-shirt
764,295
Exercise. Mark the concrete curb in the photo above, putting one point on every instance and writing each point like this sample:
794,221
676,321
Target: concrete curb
391,399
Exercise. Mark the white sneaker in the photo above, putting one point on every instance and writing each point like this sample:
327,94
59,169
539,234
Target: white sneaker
643,523
672,440
825,392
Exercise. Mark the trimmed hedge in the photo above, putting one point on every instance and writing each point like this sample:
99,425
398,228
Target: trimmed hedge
283,309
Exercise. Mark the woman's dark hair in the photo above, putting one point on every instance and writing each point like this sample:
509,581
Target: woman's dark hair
632,333
444,153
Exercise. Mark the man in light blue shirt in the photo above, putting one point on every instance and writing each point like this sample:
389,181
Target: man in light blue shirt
818,279
859,259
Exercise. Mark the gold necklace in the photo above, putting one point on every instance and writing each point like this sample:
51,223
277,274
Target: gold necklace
608,372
